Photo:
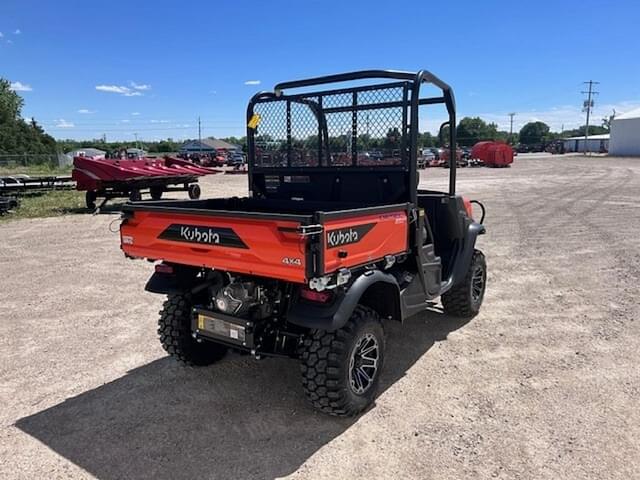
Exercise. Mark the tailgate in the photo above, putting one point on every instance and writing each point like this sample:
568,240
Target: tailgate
264,245
357,238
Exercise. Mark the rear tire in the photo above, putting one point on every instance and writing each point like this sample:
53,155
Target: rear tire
465,299
174,328
341,369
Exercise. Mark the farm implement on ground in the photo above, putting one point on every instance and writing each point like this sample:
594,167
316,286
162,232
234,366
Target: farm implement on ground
130,178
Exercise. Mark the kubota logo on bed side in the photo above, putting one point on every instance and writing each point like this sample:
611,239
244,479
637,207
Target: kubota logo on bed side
222,236
345,236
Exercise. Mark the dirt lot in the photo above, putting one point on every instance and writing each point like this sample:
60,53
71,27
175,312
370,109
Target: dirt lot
544,383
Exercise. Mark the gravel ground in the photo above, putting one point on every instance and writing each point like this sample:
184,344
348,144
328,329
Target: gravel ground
543,384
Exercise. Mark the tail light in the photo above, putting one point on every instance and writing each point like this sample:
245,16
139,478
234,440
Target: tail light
164,268
312,295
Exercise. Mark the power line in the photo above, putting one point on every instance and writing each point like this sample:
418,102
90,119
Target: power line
587,106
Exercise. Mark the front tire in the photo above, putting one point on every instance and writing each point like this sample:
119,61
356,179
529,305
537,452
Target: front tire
341,369
174,329
465,299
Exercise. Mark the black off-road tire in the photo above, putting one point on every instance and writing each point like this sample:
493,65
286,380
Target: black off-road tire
156,193
326,363
461,300
194,191
174,328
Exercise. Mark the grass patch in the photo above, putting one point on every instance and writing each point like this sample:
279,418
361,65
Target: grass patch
50,204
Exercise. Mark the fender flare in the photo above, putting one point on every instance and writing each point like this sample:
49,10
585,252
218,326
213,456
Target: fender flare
463,258
334,316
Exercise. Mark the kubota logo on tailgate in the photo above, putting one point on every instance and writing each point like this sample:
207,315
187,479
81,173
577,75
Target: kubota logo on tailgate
222,236
345,236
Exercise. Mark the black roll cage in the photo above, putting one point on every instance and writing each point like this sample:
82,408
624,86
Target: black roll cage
409,80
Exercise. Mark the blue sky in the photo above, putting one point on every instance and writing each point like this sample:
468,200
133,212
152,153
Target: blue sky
86,68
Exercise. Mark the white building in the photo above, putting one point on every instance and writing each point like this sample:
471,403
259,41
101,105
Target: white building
625,134
67,158
596,143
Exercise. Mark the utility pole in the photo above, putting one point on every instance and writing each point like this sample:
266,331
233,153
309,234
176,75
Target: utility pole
136,135
511,115
199,136
587,106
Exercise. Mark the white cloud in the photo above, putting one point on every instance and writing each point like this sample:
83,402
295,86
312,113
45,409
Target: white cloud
140,87
86,111
62,123
135,114
126,120
568,117
119,89
10,42
17,32
20,87
252,82
1,34
159,121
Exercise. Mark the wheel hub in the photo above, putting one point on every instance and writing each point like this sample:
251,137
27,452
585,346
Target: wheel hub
477,284
363,364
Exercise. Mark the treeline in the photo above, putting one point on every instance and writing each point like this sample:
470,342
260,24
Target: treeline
18,136
162,146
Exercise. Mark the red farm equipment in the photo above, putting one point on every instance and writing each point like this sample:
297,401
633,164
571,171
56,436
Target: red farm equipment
122,178
493,154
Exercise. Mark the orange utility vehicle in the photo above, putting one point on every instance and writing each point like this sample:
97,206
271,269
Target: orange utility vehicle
333,240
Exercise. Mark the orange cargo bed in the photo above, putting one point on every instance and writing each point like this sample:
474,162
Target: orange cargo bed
246,237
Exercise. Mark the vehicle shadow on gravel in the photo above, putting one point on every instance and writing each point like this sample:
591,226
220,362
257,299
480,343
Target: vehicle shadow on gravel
238,419
109,209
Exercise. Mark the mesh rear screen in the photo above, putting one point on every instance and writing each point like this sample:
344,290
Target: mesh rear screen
362,129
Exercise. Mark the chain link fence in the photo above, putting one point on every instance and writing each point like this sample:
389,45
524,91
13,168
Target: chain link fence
27,160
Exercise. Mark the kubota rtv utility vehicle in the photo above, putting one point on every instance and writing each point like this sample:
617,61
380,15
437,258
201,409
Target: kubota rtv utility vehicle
333,240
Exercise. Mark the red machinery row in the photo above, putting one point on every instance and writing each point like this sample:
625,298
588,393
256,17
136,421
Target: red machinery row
117,178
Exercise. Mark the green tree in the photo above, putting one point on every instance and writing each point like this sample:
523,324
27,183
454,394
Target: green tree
533,133
472,130
16,135
425,139
580,132
606,121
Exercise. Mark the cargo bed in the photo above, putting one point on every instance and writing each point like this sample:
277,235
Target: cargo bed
292,241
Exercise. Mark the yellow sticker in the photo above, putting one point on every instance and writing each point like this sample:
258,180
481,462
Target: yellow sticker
201,322
255,120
